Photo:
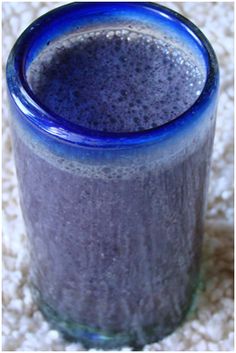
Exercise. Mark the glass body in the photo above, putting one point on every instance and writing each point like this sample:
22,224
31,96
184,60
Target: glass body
115,221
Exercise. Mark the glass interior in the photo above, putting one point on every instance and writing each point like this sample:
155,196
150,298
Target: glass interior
124,75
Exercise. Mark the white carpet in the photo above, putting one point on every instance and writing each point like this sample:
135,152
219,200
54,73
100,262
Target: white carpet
210,326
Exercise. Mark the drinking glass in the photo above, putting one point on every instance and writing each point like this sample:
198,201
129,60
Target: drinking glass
114,219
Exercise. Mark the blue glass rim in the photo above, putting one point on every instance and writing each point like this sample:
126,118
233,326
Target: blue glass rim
57,127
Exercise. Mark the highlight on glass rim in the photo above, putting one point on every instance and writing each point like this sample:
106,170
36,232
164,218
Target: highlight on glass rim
112,119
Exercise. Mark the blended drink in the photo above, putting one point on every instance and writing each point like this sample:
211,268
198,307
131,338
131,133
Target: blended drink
115,234
115,81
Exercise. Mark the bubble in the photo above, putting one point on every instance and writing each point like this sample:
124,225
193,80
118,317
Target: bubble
123,59
110,34
124,92
124,32
106,170
133,35
136,120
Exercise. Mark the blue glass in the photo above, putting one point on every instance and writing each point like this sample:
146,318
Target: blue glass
114,219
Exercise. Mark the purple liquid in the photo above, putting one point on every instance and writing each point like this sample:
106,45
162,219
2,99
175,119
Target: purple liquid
116,250
115,82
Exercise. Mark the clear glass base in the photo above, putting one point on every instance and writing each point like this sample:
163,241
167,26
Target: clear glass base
95,338
92,337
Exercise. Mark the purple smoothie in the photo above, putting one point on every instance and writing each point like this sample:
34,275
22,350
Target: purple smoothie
115,244
115,81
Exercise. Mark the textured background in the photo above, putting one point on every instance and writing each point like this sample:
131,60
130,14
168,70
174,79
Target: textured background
210,326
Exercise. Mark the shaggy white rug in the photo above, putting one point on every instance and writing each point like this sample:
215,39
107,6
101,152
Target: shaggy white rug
210,326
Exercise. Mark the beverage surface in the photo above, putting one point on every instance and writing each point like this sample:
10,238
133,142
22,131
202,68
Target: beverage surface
115,80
